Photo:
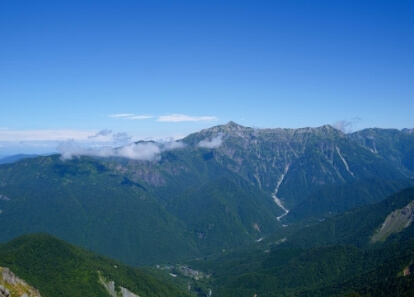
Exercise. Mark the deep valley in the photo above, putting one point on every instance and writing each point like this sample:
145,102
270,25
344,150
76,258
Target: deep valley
227,211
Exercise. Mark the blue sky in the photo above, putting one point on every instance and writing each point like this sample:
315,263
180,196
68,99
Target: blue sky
108,70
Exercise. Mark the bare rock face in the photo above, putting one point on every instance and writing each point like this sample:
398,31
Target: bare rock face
395,222
9,276
11,285
127,293
4,292
113,289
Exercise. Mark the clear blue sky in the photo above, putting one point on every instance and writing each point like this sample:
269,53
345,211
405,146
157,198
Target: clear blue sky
69,69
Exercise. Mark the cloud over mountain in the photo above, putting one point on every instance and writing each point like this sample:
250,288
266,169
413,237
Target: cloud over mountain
143,151
214,142
346,126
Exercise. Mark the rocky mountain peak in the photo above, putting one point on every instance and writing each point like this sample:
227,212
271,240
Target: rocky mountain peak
232,125
408,131
328,129
229,128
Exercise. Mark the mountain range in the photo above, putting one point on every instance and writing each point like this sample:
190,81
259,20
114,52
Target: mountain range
257,195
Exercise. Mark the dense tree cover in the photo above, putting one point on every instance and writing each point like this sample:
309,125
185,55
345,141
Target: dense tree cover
340,261
333,199
236,213
84,203
57,268
355,227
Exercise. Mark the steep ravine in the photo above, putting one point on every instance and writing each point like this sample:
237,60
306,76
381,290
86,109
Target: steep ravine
276,199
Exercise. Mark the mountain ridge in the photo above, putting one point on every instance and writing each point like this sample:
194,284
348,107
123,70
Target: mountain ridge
245,173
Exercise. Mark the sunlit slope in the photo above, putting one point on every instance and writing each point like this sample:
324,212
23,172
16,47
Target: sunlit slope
57,268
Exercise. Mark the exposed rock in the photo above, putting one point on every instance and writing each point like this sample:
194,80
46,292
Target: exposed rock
11,285
9,276
113,289
127,293
4,292
395,222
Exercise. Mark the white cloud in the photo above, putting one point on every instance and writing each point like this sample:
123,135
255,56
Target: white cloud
121,115
131,116
347,126
175,118
170,144
140,117
214,142
145,151
104,132
171,118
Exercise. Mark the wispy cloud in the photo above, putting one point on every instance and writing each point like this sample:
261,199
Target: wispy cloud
175,118
140,151
214,142
121,137
121,115
347,126
107,135
131,116
171,118
104,132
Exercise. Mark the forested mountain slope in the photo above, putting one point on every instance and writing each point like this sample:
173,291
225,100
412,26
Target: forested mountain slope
221,188
56,268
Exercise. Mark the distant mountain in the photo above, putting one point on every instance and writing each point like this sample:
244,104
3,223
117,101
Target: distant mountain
56,268
15,158
222,188
393,145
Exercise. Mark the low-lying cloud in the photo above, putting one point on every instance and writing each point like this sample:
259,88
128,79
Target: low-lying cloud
214,142
143,151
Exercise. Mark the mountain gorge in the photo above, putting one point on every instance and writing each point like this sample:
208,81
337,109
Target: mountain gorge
227,191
